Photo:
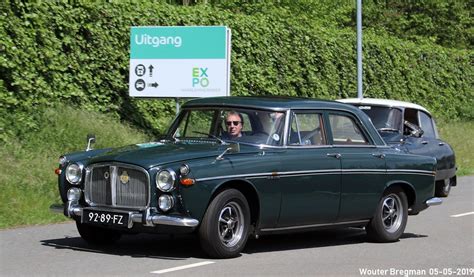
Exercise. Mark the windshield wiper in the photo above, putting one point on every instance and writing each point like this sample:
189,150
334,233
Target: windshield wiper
388,130
212,136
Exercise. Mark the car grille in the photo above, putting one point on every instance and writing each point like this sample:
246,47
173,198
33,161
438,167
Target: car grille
117,185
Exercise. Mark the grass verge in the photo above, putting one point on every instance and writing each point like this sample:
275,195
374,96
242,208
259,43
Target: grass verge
29,186
460,135
27,181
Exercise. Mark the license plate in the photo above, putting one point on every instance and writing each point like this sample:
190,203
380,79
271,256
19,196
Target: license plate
105,218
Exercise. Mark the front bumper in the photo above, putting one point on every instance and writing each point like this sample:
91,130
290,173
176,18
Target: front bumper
149,217
434,201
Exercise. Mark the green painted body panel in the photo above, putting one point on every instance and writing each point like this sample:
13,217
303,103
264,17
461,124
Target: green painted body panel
294,185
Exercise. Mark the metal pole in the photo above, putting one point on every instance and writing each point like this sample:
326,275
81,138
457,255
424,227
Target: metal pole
177,106
359,49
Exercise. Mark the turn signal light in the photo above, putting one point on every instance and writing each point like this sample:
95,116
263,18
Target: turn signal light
57,171
187,181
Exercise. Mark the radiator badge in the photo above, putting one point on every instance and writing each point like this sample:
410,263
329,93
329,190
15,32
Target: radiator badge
124,177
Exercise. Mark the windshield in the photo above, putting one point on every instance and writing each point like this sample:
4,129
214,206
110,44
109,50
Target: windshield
384,118
230,125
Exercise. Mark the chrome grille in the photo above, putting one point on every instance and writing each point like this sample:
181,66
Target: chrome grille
117,185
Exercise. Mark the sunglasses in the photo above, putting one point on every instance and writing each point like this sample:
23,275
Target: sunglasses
235,123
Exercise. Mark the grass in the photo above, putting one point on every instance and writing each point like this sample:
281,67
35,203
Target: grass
27,181
460,135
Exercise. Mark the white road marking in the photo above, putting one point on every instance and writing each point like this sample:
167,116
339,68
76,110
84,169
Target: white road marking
464,214
181,267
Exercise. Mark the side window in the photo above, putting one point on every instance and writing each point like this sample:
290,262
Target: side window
306,129
427,125
197,124
345,131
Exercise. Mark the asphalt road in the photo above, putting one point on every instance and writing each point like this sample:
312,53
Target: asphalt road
437,242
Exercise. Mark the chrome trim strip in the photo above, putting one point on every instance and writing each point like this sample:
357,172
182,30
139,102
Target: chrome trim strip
435,201
174,221
313,226
318,172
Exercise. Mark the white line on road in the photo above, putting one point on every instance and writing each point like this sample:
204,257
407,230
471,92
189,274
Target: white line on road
464,214
181,267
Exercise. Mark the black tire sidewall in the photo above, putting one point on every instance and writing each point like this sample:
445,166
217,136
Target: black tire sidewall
208,231
375,229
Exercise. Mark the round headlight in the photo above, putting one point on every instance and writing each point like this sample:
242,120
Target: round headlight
73,194
184,170
165,202
165,180
74,173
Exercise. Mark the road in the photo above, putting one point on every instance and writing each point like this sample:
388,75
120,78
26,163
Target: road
438,240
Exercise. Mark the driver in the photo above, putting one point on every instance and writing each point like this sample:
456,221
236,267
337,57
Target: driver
234,123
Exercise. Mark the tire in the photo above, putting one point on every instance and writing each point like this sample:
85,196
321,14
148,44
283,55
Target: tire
391,216
225,227
97,235
442,188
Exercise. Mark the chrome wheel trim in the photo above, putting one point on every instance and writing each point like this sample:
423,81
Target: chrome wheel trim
231,224
392,213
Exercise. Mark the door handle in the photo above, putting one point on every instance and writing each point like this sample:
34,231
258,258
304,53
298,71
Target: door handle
424,142
334,155
441,143
379,155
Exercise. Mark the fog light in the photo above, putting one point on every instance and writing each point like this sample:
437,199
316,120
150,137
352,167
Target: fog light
165,202
74,194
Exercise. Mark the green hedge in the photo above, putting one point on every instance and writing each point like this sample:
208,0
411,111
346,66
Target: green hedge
79,54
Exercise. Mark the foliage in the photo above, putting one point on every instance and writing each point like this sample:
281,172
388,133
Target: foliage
28,182
78,53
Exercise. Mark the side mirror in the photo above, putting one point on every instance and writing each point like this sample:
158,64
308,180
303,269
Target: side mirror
90,141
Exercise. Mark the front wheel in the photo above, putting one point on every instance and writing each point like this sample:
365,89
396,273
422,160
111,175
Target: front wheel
225,226
97,235
391,216
443,187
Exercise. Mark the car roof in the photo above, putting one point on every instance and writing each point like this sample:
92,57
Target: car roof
384,103
269,103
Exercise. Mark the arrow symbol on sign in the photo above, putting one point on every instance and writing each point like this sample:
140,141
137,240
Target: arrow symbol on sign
155,85
151,70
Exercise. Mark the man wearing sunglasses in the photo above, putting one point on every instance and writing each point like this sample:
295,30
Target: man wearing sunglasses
234,123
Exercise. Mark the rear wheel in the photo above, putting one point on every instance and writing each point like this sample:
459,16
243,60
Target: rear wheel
391,216
225,226
97,235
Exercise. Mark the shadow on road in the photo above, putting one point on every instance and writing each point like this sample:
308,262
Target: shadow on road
182,247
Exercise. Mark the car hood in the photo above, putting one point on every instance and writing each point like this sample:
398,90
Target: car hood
149,155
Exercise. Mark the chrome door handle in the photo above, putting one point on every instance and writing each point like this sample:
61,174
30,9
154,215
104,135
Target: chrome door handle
334,155
379,155
441,143
424,142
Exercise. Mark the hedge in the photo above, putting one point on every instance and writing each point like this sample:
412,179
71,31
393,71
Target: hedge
79,54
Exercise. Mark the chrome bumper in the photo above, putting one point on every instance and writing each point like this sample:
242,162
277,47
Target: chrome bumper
435,201
148,217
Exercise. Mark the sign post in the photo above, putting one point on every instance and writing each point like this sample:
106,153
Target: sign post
179,62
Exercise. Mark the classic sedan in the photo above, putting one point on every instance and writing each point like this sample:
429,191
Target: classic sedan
411,128
232,167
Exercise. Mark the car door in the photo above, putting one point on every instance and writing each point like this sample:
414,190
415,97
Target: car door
429,144
362,164
310,179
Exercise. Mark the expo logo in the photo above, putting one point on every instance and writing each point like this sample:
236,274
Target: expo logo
200,77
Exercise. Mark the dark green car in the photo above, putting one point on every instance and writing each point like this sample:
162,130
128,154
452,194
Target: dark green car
231,167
